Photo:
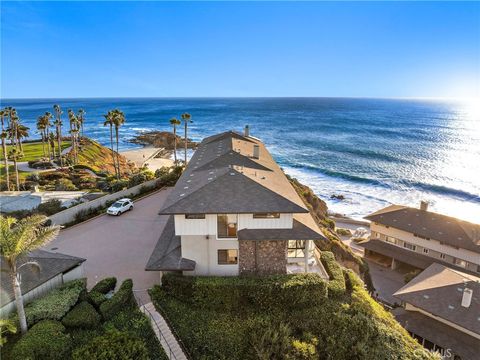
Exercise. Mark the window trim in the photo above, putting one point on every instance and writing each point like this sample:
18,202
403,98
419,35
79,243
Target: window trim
227,263
194,216
297,248
266,215
228,237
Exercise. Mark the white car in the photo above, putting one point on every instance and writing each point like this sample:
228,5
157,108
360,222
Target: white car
120,206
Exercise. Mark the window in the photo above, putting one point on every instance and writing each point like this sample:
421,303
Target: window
390,239
266,215
421,237
425,250
296,248
461,263
442,256
227,226
194,216
409,246
227,257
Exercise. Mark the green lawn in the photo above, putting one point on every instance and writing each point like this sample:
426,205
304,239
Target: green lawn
22,175
34,151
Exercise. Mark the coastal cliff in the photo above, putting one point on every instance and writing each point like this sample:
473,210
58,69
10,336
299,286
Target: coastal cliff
162,139
343,254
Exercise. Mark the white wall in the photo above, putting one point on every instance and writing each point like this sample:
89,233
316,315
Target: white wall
208,226
76,273
432,244
204,252
68,215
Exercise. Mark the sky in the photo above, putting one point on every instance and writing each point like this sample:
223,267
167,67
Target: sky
239,49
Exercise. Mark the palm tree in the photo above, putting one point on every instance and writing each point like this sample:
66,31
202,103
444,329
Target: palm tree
58,128
73,127
18,238
187,118
3,115
47,117
81,119
6,326
175,122
51,140
22,133
41,129
12,113
118,120
14,154
109,122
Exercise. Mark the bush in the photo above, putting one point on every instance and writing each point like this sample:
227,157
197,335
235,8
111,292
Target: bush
96,299
344,232
105,286
336,285
168,176
113,345
35,177
121,300
81,336
50,207
231,293
55,304
140,178
45,340
82,315
118,185
64,185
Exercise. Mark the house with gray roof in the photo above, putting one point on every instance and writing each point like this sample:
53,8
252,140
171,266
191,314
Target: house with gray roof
441,309
419,238
233,211
53,270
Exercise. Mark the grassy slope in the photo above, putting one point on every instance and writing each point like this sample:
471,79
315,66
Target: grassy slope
34,151
99,158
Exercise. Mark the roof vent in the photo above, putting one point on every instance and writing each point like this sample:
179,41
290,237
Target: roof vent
467,297
256,151
246,131
423,205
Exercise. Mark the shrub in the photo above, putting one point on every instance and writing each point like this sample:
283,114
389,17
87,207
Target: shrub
168,176
82,315
50,207
81,336
121,300
105,285
336,285
96,299
55,304
344,232
270,341
45,340
118,185
64,185
140,178
113,345
35,177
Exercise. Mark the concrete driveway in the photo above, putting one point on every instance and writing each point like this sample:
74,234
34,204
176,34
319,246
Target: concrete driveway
118,245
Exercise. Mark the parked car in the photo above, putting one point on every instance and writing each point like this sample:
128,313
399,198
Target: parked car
120,206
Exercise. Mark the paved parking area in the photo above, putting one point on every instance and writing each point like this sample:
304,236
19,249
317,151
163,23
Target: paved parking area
386,282
117,246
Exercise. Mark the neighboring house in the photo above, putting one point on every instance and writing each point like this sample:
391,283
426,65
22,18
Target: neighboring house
441,309
233,211
55,269
419,238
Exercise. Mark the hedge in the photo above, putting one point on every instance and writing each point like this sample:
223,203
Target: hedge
106,285
231,293
96,298
82,315
121,300
55,304
45,340
112,345
336,285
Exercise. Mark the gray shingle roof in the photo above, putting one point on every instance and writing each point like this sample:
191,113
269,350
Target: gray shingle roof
167,254
223,177
441,334
446,229
51,264
298,232
438,290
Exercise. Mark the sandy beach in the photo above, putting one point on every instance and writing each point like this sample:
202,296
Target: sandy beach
153,158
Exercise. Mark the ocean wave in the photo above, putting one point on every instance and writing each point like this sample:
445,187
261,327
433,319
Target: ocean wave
442,190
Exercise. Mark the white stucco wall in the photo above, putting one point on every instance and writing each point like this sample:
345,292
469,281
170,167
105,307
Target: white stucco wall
432,244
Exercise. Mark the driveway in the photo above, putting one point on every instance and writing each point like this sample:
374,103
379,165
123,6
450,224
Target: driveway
118,246
386,282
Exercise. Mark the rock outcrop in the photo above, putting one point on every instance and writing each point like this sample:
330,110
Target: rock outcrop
162,139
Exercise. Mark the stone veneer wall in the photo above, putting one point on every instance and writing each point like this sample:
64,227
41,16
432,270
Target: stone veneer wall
262,257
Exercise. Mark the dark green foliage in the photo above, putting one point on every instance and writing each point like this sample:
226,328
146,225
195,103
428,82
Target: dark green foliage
343,232
96,298
135,323
56,303
270,341
140,178
106,285
50,207
336,285
169,176
118,185
82,315
45,340
113,345
230,293
82,336
123,299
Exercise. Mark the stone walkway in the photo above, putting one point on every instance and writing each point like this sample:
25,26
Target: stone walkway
164,334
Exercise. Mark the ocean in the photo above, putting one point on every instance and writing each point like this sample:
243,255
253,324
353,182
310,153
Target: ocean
374,152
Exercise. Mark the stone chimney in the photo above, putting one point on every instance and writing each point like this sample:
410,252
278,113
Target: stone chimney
467,297
423,205
256,151
246,131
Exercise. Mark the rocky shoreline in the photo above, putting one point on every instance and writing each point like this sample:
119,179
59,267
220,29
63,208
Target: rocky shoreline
162,139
